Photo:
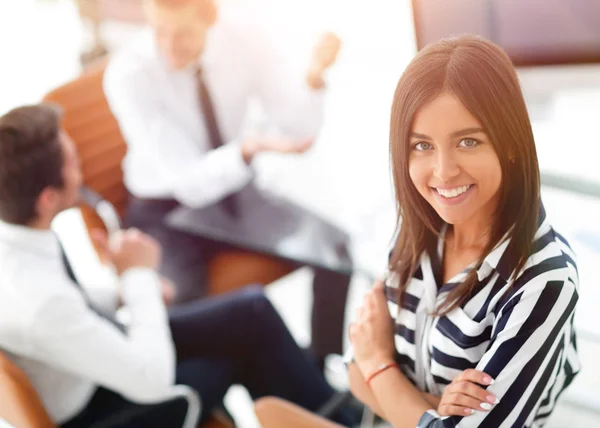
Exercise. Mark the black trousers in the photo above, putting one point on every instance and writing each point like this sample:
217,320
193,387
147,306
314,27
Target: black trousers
257,352
185,259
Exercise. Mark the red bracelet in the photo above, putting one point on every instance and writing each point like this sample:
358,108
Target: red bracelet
378,370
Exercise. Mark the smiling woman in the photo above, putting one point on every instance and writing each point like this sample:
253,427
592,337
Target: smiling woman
481,287
469,111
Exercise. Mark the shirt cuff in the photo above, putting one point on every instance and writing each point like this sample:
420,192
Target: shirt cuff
429,419
140,284
237,159
349,355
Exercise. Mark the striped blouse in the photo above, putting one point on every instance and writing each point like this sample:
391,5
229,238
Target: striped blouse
524,337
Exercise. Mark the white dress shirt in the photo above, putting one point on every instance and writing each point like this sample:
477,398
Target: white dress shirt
159,112
66,349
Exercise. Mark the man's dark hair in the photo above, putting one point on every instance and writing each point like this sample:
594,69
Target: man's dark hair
31,159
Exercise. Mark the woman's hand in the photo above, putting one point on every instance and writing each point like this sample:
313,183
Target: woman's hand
464,396
372,333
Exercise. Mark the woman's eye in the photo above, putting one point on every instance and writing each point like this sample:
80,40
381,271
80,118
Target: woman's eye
468,143
422,146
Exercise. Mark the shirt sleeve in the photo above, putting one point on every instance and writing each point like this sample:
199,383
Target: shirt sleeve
194,178
105,297
531,339
280,84
140,365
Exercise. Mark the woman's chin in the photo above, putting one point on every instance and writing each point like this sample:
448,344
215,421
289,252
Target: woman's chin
452,215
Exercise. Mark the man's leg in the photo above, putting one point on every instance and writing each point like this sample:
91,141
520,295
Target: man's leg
244,328
210,378
330,291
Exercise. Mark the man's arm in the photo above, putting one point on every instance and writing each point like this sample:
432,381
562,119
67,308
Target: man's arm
193,177
139,365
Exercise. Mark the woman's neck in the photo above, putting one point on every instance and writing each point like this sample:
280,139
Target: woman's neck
461,238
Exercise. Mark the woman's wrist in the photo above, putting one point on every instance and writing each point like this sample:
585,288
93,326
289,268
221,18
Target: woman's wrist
370,364
372,372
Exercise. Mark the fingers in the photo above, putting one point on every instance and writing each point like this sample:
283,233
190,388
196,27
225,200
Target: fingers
134,232
303,146
459,404
100,238
368,300
373,301
464,397
298,146
285,145
476,376
453,410
331,39
463,400
379,297
168,290
474,391
378,285
327,49
352,328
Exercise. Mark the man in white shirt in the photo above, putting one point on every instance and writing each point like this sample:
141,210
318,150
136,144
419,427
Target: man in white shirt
180,93
85,365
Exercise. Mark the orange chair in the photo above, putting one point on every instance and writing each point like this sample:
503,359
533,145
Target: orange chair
20,405
101,148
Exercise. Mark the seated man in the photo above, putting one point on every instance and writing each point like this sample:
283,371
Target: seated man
180,92
81,361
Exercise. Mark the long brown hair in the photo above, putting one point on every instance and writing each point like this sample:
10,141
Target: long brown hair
483,78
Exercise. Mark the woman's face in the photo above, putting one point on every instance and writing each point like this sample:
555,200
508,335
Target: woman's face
453,164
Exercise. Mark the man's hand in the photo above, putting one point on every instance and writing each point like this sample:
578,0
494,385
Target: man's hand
372,333
324,56
168,290
128,249
464,396
254,146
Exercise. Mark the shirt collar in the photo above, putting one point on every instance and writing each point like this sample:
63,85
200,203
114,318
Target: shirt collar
35,240
497,260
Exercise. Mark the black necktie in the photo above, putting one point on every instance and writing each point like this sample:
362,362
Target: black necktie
214,135
99,311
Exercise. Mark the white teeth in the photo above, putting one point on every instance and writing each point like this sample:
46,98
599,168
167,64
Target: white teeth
453,193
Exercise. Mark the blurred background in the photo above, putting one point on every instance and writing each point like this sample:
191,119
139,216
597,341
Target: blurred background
345,177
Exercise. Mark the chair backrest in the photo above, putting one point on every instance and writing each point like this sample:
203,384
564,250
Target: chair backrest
20,405
95,131
96,134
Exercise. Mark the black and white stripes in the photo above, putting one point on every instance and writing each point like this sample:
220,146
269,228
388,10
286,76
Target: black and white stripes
518,330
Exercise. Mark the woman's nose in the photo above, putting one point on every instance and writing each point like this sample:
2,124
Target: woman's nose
446,167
